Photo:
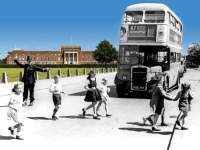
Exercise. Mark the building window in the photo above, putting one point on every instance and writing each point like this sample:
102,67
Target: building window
75,57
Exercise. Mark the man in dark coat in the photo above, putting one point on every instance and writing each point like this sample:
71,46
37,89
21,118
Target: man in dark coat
29,79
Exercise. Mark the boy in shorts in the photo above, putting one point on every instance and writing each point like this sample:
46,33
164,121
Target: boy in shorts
56,90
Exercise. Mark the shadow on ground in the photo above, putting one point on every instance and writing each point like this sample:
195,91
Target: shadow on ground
77,116
138,124
145,130
39,118
113,94
142,128
6,137
173,116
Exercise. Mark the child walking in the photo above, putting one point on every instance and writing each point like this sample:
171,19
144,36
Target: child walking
184,105
104,97
56,90
158,96
152,104
14,111
92,94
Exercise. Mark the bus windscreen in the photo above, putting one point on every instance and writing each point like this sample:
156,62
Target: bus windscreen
154,16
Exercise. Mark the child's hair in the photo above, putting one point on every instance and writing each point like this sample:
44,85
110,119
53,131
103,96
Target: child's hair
104,80
185,86
16,86
91,74
56,77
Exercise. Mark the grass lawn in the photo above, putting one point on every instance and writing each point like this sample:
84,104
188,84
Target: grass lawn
14,73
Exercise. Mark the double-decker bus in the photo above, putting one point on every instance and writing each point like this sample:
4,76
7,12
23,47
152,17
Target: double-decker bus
150,44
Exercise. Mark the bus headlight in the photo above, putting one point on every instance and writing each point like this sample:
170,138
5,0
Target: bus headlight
124,77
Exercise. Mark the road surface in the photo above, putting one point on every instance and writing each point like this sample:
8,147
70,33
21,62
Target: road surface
124,130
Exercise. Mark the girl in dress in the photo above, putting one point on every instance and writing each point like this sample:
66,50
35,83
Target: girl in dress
104,96
92,94
15,108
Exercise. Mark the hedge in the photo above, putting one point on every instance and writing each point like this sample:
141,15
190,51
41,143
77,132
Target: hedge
64,66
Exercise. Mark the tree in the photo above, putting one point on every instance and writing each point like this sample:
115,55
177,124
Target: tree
105,53
3,61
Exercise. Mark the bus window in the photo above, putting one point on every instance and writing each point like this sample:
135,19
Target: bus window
129,55
177,25
133,16
151,58
141,58
163,60
178,57
172,57
162,56
154,16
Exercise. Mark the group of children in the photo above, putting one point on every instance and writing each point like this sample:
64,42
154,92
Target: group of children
98,95
157,104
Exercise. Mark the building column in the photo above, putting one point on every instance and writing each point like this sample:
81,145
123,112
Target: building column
73,58
68,58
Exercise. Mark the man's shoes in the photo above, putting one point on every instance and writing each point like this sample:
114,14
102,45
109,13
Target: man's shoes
178,123
184,128
83,112
25,103
155,129
31,104
164,124
11,131
108,115
95,117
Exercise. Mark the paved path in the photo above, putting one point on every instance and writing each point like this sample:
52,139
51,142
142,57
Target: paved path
124,130
189,139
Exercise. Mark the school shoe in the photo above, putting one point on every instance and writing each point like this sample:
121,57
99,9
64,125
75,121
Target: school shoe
11,131
155,129
96,117
144,121
83,112
108,115
164,124
18,137
184,128
99,115
54,118
178,123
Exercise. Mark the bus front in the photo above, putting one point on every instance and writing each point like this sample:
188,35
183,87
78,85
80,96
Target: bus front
142,50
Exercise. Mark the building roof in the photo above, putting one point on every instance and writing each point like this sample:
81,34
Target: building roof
31,51
72,47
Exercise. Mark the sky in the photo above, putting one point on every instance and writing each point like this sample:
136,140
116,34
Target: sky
50,24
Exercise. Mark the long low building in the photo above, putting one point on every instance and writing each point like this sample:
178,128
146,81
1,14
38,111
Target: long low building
66,55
